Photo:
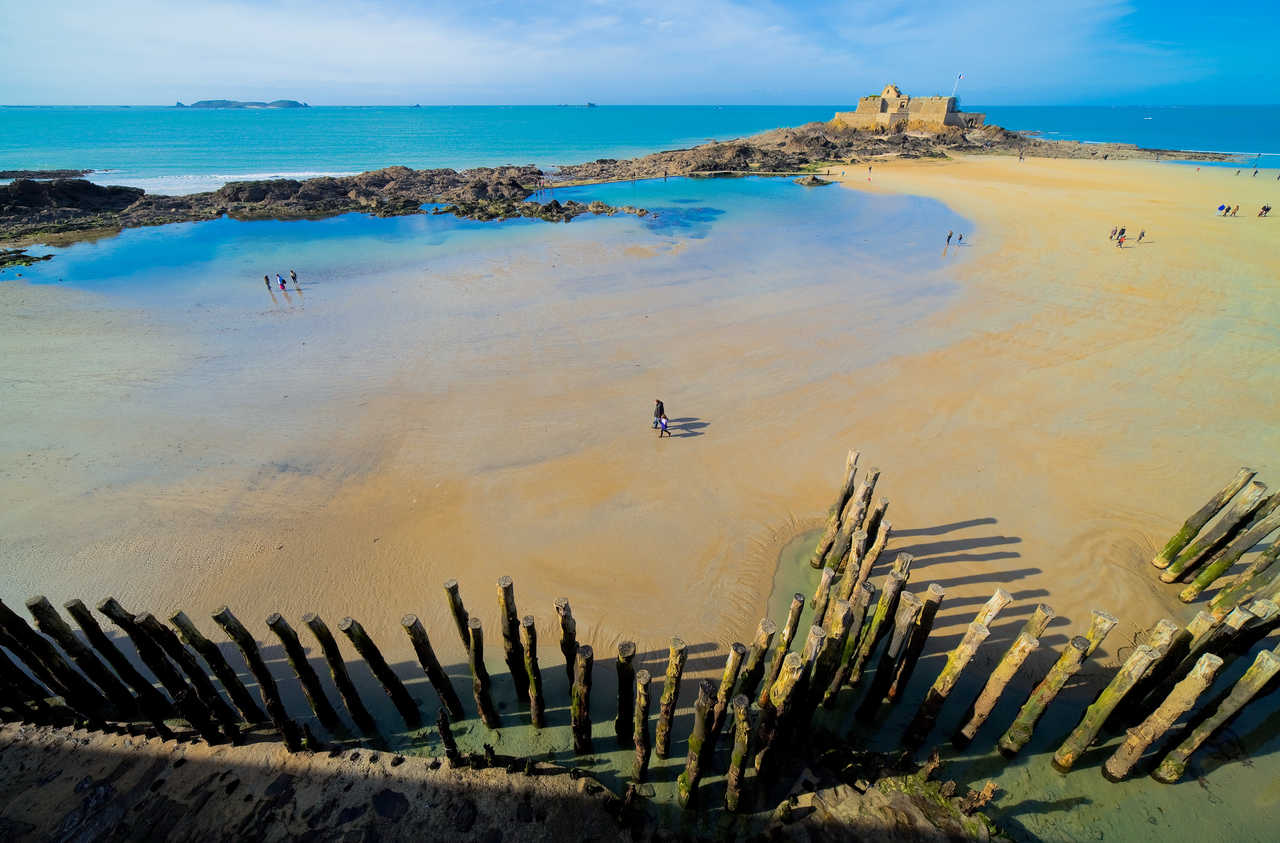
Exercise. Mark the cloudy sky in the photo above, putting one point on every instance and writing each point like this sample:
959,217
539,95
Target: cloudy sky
331,52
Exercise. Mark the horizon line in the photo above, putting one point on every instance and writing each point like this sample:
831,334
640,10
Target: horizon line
606,105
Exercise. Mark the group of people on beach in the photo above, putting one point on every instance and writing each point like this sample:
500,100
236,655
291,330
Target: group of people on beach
660,421
293,276
1118,234
959,240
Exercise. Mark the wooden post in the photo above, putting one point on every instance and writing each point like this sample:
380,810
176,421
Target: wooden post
386,677
537,706
580,701
1039,620
773,715
1098,712
1180,699
235,630
738,756
1222,562
753,667
957,660
1174,764
1213,639
446,738
51,624
1232,522
1252,581
338,670
1100,625
861,601
1162,638
167,640
640,725
822,596
880,622
904,620
622,724
843,589
21,689
732,666
987,614
152,701
851,520
512,649
1193,525
700,740
837,508
877,547
306,674
915,646
813,645
828,661
43,658
872,525
480,676
1067,665
783,645
981,707
568,636
671,694
460,617
431,666
240,696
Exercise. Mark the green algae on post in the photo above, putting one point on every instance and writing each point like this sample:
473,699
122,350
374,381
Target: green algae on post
700,740
537,706
1067,665
640,734
999,679
580,700
833,514
773,714
915,646
888,604
676,658
920,726
862,595
1250,583
1264,524
480,676
1200,517
1097,713
783,645
1217,536
568,636
738,755
904,619
753,667
732,666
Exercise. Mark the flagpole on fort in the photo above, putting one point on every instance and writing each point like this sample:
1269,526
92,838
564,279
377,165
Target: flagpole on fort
956,86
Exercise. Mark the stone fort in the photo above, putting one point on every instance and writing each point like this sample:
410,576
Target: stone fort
893,111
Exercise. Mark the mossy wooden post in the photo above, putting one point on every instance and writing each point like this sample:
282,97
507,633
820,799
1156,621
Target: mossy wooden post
782,645
999,679
40,655
699,741
537,705
235,630
446,738
1254,580
934,699
568,636
580,700
904,620
773,715
640,727
513,651
851,520
862,596
872,556
307,678
849,579
1180,700
386,677
1222,562
837,508
51,624
1067,665
915,646
993,607
459,612
1039,620
151,700
196,640
872,524
1232,522
729,678
1200,517
676,659
338,670
828,661
480,676
1212,639
625,665
738,755
431,666
822,596
1097,713
167,640
1100,625
753,667
1162,638
879,625
1174,764
813,645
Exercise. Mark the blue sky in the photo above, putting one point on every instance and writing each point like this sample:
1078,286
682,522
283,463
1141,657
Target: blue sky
657,51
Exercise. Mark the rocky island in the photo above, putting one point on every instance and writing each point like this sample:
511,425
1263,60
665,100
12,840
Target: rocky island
244,104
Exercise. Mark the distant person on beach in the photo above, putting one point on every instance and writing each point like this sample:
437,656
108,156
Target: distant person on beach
1233,210
280,280
266,279
293,276
1112,235
949,236
1141,234
1120,239
1120,233
960,239
1266,209
662,423
659,412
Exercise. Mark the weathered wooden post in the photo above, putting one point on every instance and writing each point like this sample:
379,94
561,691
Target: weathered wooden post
915,646
1096,714
957,660
625,665
822,596
851,520
1161,638
480,676
1222,562
512,649
732,666
676,658
446,738
537,706
872,525
738,755
43,658
862,596
1264,667
880,622
982,706
151,699
640,725
51,624
783,645
837,508
1200,517
753,667
431,666
773,714
1067,665
1180,699
828,661
843,589
23,690
306,674
1232,522
386,677
460,617
235,630
338,670
877,548
904,619
167,640
580,701
1215,639
1039,620
568,636
813,645
699,740
1253,581
240,696
1100,625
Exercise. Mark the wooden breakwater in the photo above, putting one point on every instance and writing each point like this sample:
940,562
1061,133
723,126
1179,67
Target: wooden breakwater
864,644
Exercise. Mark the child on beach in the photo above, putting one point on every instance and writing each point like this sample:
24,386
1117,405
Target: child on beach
662,422
280,278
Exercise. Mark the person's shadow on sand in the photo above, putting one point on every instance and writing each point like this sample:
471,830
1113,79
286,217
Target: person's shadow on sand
688,426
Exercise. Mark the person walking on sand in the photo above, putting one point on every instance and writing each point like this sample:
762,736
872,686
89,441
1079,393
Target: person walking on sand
960,239
280,280
949,236
662,423
659,412
293,276
1112,235
266,279
1142,234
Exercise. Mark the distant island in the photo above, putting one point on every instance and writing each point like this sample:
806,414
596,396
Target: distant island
242,104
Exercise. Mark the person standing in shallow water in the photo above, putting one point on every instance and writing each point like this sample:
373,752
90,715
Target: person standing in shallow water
659,412
266,279
949,235
293,276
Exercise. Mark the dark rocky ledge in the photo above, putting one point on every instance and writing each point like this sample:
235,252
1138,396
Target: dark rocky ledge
43,174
